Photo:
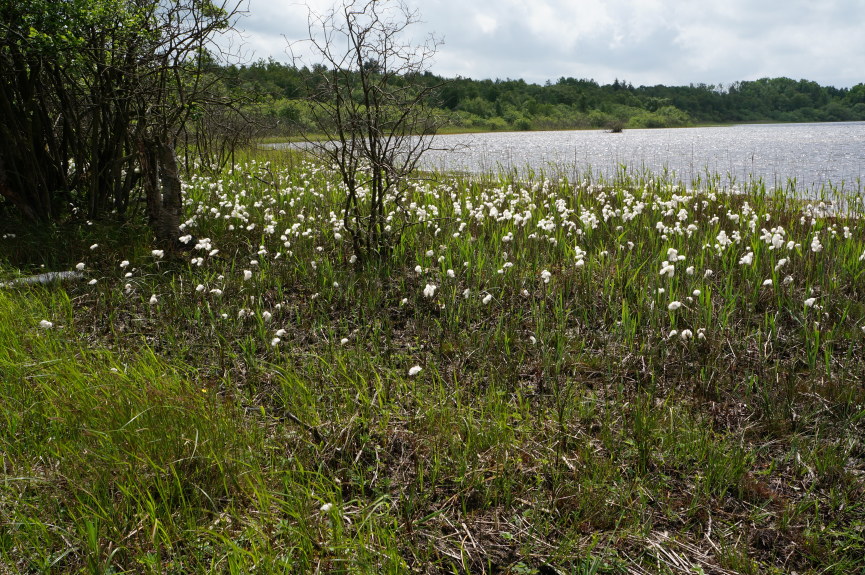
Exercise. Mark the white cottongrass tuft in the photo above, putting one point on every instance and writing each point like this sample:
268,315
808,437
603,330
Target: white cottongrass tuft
487,298
674,305
92,282
326,507
546,275
247,275
343,341
154,300
673,255
767,282
79,266
430,290
413,371
280,332
199,288
275,342
810,302
124,264
94,246
158,253
45,324
667,269
686,334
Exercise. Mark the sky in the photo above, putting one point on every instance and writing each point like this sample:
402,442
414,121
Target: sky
644,42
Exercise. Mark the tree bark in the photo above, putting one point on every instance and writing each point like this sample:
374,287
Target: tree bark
150,180
7,192
167,227
163,191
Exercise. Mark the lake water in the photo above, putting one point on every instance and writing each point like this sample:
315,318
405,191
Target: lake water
813,154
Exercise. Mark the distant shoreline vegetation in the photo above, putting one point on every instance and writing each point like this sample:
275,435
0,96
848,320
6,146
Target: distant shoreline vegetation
277,92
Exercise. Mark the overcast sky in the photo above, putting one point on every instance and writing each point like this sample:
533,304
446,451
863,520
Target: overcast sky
645,42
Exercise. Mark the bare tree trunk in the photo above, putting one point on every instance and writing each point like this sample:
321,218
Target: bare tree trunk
7,192
163,190
167,227
150,180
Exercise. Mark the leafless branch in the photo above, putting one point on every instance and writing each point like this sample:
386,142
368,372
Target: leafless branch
370,101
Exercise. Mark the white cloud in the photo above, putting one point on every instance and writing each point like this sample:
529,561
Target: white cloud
487,24
672,42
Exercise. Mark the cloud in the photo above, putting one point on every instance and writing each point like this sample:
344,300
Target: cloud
673,42
485,23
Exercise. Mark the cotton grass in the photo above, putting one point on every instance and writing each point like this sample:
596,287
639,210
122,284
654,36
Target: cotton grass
668,326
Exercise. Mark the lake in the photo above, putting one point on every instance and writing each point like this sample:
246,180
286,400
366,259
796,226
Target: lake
813,154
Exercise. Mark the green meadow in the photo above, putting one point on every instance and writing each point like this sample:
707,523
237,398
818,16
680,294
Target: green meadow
547,374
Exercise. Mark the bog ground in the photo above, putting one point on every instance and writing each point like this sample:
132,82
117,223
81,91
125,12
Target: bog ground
544,375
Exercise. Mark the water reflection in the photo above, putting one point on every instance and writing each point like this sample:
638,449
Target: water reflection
813,154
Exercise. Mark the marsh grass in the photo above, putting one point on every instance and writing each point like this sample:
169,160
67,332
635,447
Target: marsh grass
271,423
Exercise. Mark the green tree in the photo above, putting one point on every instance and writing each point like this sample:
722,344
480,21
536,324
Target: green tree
93,97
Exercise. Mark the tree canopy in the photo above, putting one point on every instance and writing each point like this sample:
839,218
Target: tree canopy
94,95
572,103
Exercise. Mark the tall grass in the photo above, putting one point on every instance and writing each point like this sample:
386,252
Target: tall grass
633,375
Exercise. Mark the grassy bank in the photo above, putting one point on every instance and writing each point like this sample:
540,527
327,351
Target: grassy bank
625,376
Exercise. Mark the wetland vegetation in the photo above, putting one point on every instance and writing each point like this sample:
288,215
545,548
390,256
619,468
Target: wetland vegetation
632,375
242,360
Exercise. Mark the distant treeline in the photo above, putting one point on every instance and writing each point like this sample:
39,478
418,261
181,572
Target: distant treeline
569,103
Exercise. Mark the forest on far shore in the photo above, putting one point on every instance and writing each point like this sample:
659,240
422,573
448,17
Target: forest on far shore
277,94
